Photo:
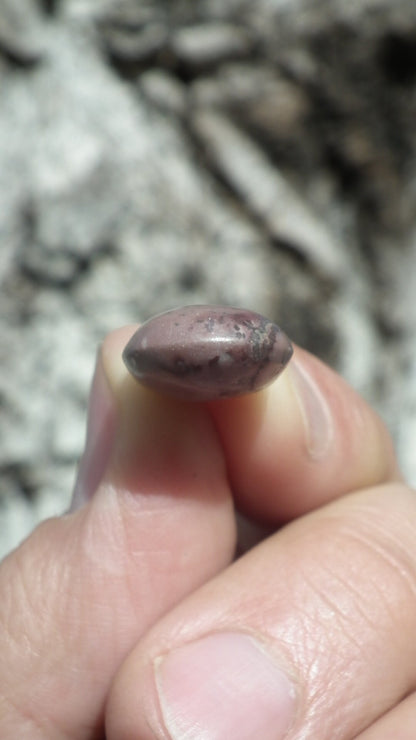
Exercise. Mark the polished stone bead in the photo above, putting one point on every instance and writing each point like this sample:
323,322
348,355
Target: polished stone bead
201,353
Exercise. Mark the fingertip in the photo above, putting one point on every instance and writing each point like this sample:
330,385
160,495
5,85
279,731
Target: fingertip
110,357
306,439
104,410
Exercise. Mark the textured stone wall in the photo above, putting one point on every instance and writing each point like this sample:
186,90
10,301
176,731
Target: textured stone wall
165,152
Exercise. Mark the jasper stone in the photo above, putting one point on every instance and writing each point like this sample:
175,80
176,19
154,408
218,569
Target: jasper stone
201,353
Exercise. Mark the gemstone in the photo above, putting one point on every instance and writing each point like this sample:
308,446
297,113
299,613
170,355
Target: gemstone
202,353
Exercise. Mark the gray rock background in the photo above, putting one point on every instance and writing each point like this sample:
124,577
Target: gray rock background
168,152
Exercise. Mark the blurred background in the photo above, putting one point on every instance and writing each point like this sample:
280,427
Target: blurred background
153,154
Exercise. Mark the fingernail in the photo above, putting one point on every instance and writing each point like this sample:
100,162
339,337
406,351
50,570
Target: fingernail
316,414
99,439
224,686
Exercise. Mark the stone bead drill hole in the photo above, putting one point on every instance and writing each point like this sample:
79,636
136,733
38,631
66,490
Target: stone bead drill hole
202,353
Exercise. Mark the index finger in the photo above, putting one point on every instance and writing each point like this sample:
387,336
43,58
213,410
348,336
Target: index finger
305,440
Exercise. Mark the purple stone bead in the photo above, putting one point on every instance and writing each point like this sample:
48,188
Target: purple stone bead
201,353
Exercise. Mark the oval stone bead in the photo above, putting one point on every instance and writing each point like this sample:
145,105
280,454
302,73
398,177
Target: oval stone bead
201,353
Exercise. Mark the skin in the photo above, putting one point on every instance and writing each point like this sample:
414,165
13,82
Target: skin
144,563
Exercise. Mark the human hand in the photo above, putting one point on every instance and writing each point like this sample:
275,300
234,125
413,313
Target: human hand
128,615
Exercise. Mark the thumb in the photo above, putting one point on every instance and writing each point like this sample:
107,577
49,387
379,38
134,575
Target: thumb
151,520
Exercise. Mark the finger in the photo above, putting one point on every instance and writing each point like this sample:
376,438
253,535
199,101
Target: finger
398,724
152,519
302,442
310,634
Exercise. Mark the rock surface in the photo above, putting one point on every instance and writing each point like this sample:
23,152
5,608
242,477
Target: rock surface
204,353
157,154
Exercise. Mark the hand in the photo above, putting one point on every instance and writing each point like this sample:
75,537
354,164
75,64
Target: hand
128,616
